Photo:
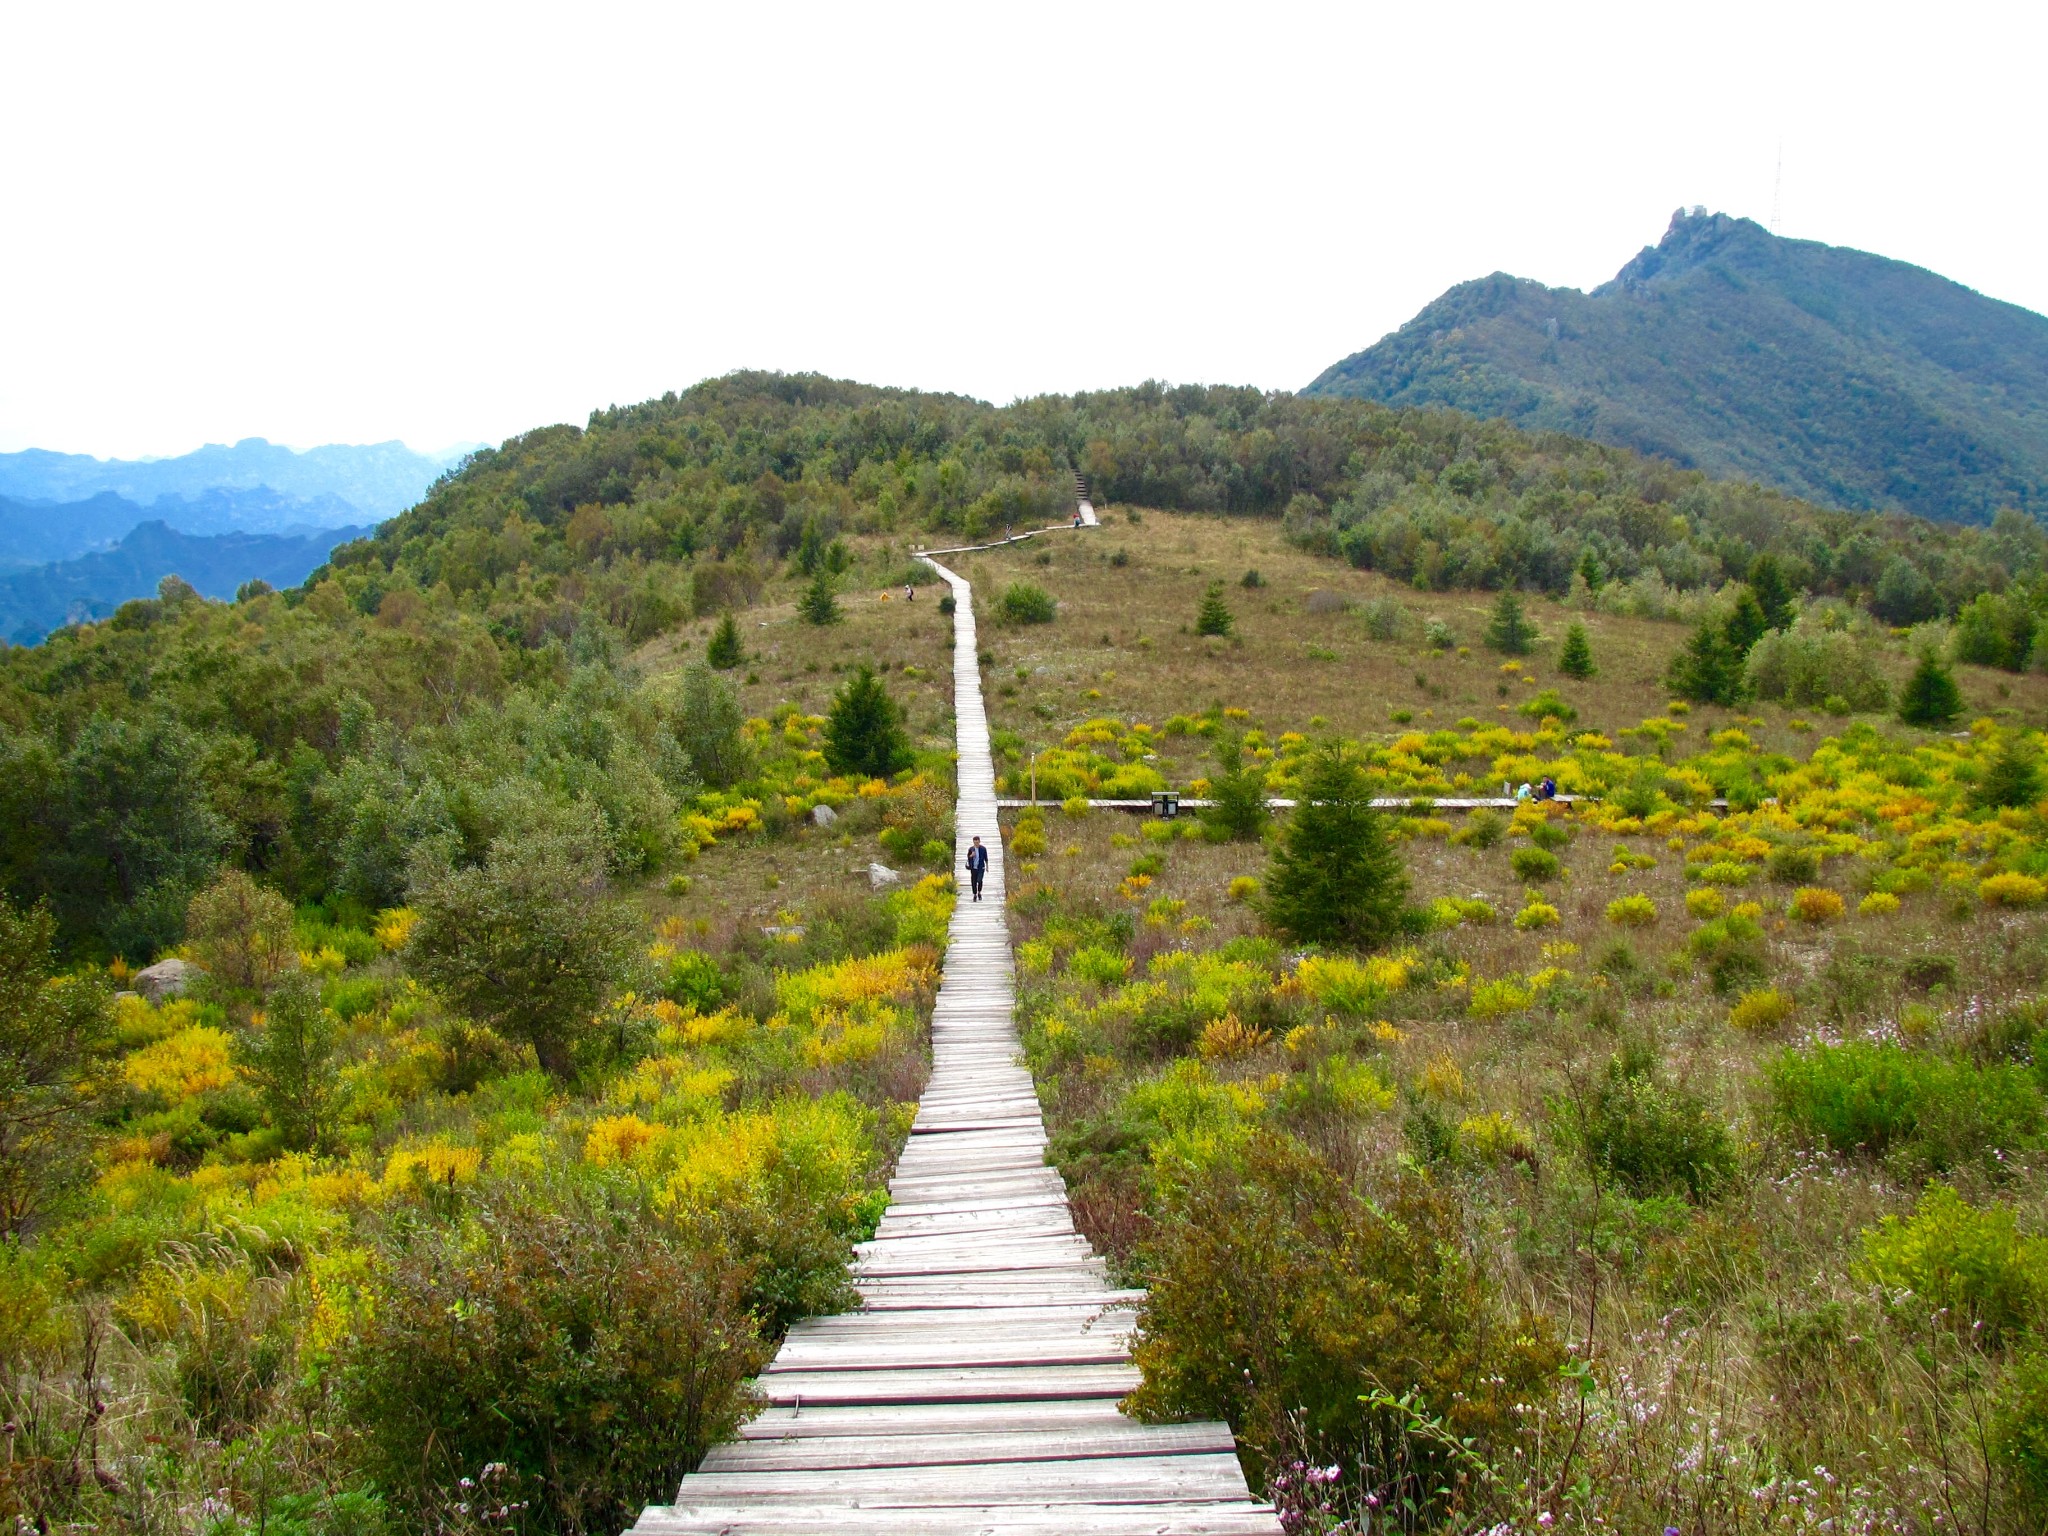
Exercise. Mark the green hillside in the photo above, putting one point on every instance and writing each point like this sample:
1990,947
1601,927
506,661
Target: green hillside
1834,375
550,1033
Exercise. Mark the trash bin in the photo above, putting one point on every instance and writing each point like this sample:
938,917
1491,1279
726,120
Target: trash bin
1166,804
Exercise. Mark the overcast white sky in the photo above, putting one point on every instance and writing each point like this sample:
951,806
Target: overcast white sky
349,223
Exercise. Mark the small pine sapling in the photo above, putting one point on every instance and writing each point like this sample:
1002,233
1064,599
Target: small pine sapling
1575,656
1509,630
818,605
864,733
1214,617
1930,698
1335,875
724,652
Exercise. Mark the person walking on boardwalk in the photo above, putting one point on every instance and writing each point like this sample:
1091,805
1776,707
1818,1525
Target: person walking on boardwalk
977,866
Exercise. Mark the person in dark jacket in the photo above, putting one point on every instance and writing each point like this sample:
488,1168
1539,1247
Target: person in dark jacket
977,866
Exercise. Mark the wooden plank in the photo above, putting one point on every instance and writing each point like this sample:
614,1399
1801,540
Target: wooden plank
1118,1480
969,1384
1183,1519
1057,1416
969,1449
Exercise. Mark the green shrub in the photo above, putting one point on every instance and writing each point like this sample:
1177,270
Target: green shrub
1972,1262
1534,864
1483,829
1104,967
2019,1434
1811,667
1550,834
1547,705
1024,603
1921,1111
693,979
1650,1136
589,1340
1790,865
1280,1292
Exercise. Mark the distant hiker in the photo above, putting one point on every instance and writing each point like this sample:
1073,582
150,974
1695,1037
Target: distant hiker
1547,790
1523,793
910,591
977,866
1077,519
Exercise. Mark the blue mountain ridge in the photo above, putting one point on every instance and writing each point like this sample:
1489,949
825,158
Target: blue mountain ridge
33,602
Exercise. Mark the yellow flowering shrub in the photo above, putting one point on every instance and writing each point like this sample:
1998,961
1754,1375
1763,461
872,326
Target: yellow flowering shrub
2012,890
394,926
1705,901
412,1168
1229,1037
1765,1008
1634,911
192,1061
620,1141
1815,904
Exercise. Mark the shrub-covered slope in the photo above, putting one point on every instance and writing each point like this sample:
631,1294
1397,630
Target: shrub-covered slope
1842,377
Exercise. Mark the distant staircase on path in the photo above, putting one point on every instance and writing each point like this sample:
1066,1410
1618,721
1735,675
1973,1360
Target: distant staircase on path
976,1389
1084,504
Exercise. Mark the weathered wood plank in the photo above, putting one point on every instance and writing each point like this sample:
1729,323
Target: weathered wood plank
1046,1519
952,1450
1120,1480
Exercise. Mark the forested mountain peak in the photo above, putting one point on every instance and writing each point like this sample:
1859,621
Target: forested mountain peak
1833,374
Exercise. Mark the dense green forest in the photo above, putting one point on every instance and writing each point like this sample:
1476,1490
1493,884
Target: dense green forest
1848,378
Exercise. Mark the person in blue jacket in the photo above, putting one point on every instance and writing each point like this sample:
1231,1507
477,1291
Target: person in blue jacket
977,866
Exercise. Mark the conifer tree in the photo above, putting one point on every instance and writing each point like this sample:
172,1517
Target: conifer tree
1773,592
1335,876
1509,630
1930,698
1575,656
2012,779
1237,797
1590,572
1745,624
1709,669
1214,618
724,652
864,733
817,605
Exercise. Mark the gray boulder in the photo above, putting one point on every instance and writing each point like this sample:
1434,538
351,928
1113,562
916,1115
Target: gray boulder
881,877
167,978
823,815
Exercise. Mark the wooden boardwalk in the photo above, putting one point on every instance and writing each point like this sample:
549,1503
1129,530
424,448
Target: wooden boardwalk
976,1389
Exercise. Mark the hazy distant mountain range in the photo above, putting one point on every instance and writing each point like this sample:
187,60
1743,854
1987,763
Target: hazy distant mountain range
375,480
1841,377
79,535
41,598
